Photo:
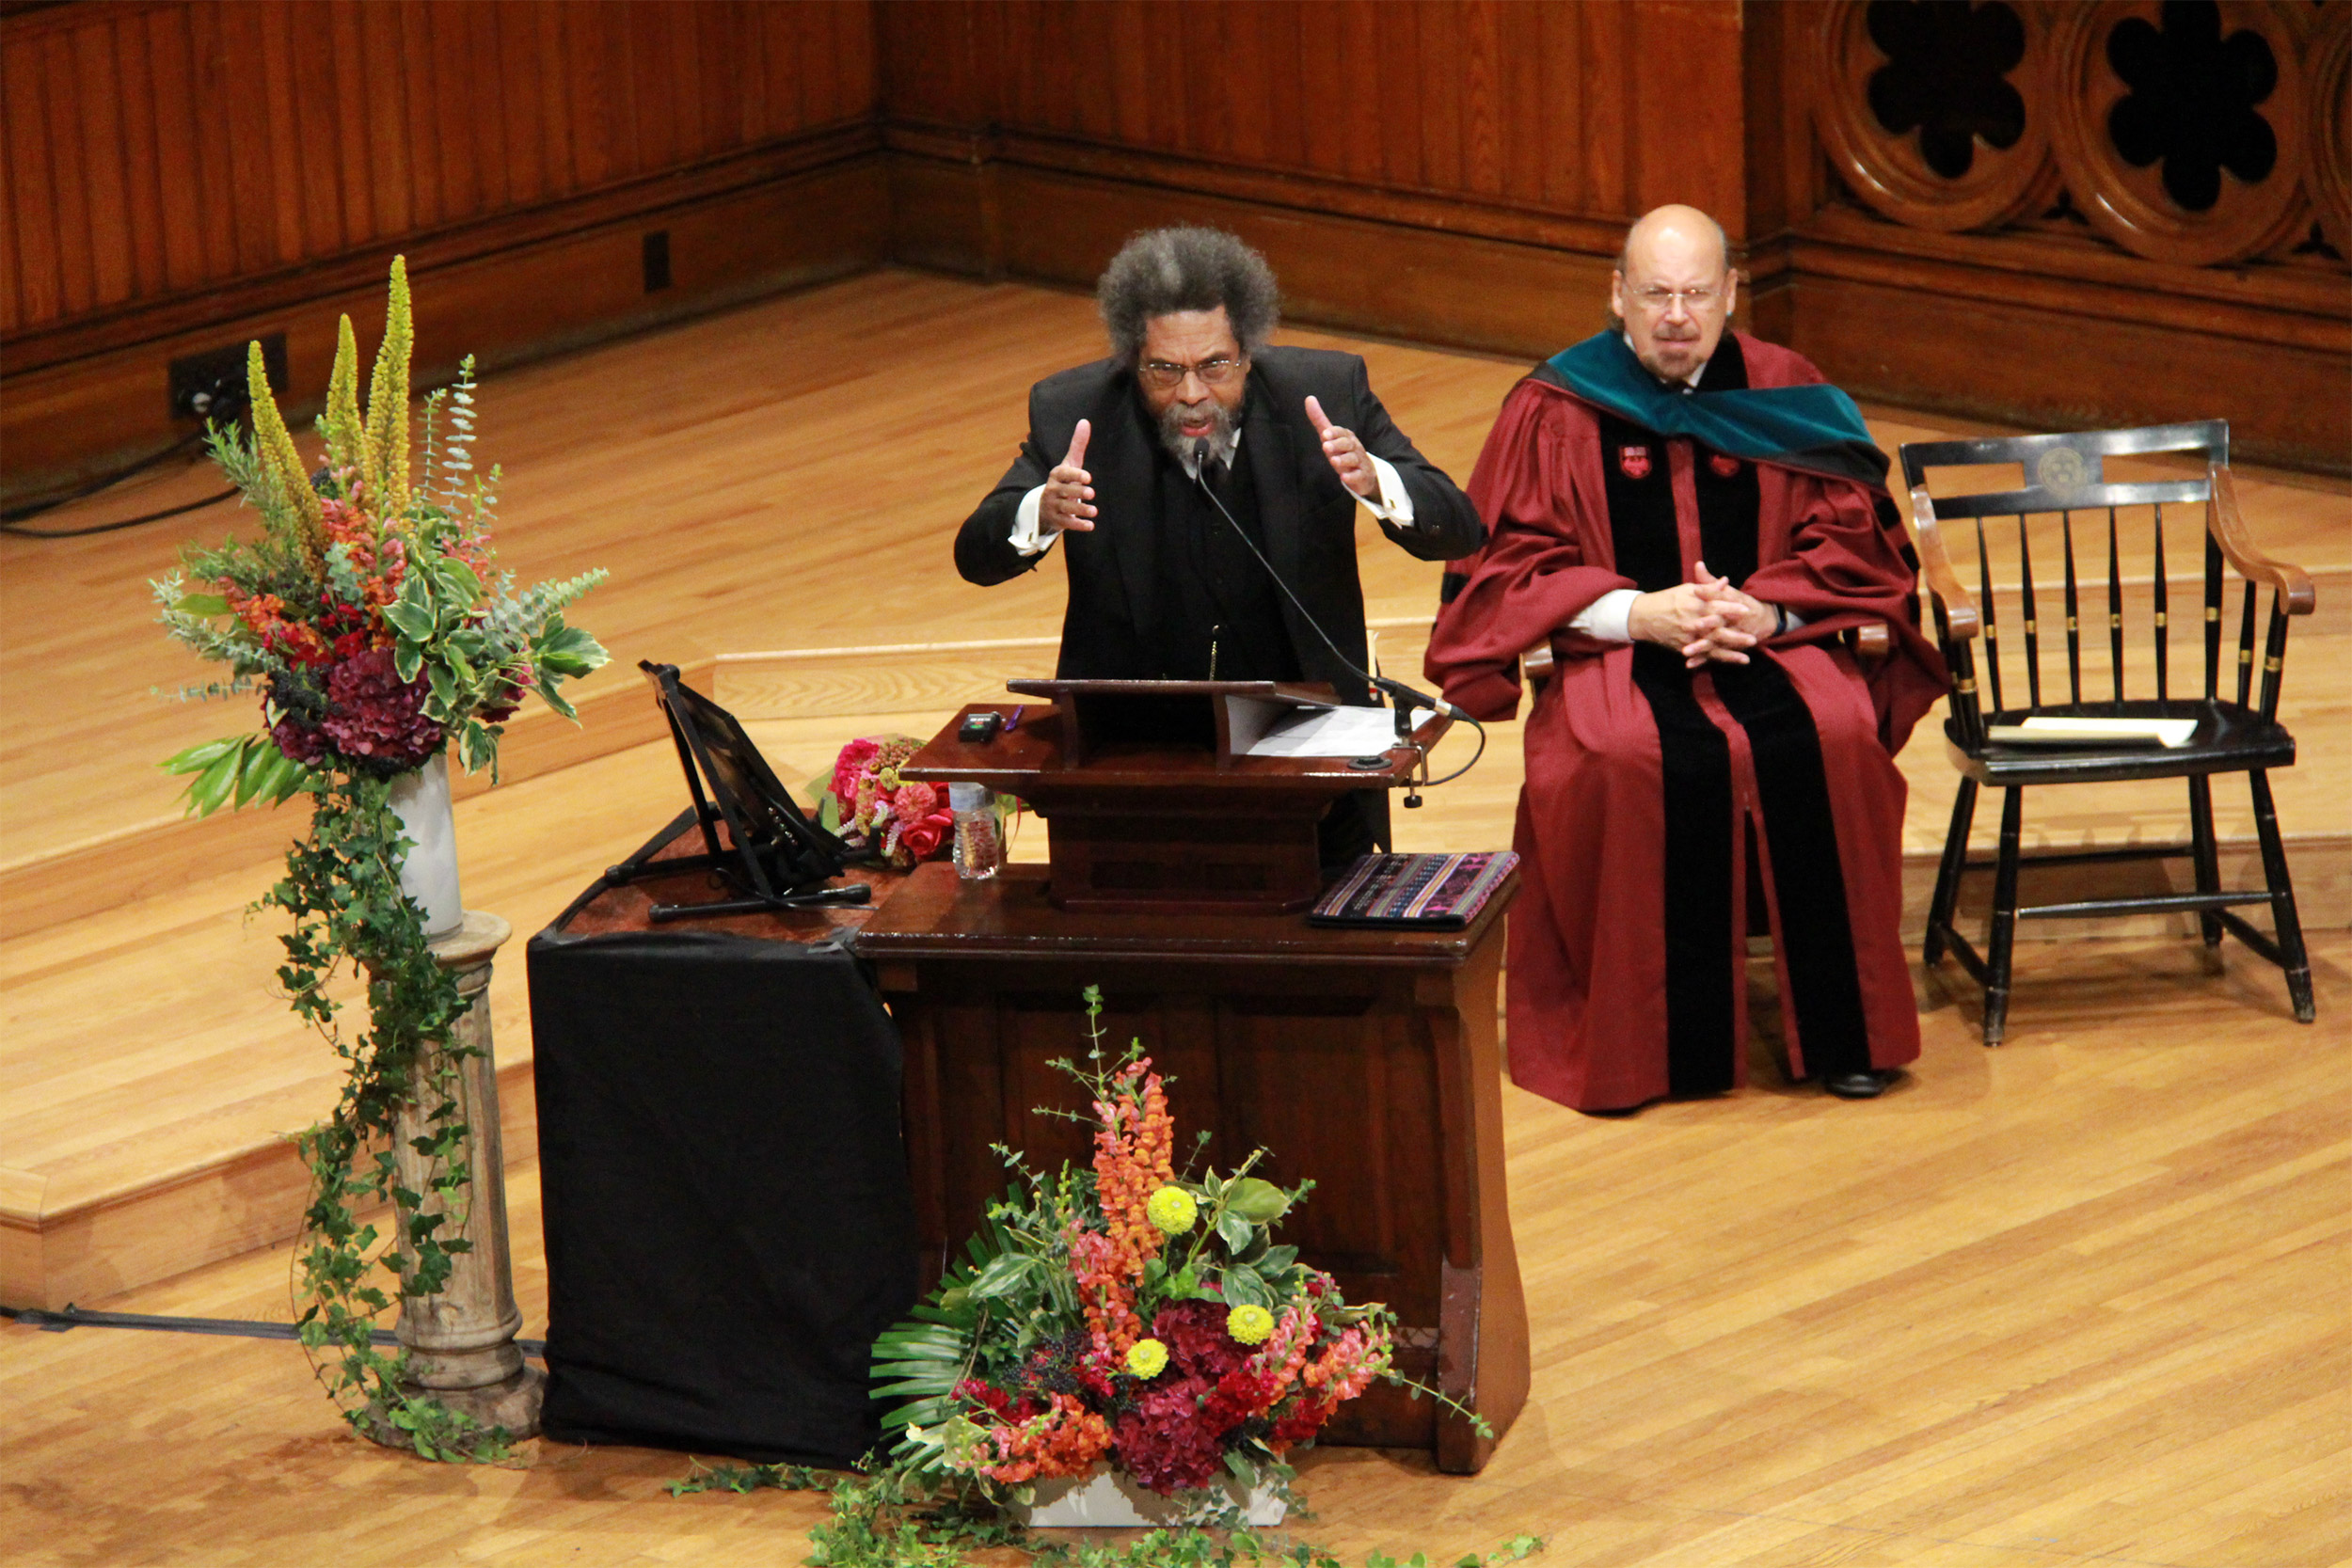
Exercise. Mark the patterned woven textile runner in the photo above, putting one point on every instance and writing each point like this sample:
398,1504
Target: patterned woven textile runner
1426,890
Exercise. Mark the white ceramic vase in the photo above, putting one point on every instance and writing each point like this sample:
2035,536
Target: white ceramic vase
429,874
1104,1499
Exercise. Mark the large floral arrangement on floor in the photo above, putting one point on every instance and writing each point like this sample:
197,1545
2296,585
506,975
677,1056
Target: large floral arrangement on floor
879,815
371,620
1133,1313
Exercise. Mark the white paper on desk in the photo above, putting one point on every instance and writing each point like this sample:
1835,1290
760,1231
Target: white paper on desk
1332,732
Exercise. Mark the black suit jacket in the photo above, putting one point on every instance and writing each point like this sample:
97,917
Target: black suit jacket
1308,515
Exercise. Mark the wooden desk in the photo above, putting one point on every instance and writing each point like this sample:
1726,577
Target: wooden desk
1365,1059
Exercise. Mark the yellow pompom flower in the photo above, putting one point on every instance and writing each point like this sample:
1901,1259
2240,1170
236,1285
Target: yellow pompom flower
1249,1326
1146,1359
1172,1209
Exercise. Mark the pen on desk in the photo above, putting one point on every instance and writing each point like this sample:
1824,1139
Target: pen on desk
1014,722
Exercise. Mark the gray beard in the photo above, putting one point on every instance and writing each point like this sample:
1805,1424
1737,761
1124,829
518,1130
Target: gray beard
1180,446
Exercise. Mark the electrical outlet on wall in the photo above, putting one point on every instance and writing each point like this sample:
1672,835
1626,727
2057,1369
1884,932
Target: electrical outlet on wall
200,382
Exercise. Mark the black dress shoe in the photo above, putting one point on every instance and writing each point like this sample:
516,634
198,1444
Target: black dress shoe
1858,1085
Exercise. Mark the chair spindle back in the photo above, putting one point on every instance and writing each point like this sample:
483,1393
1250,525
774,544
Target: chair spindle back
2063,475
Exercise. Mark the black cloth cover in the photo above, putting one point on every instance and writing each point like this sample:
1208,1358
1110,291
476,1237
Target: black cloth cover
728,1218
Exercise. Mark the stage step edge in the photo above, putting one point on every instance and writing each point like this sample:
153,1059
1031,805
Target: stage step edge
122,866
170,1223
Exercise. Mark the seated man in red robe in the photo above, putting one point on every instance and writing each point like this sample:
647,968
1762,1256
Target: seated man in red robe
1693,520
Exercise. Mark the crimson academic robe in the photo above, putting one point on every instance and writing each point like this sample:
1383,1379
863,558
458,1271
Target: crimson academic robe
1651,790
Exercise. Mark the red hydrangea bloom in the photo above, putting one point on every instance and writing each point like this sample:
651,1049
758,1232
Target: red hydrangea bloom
1197,1345
376,719
1164,1443
1238,1395
298,742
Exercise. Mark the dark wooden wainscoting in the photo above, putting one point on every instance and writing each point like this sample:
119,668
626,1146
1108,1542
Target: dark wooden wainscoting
181,177
1976,211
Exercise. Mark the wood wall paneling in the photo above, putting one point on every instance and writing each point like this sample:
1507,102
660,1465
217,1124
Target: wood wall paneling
1460,171
153,150
181,176
1545,108
507,306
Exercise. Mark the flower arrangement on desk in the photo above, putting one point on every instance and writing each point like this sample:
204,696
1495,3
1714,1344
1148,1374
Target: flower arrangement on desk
879,815
372,622
1132,1314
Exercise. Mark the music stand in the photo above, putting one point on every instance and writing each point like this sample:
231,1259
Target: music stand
779,859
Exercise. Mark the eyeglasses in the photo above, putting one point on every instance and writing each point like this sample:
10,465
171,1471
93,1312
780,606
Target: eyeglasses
1161,376
1660,301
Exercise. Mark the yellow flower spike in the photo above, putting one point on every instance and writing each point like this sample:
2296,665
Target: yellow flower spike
1249,1326
275,446
387,401
346,436
1172,1209
1146,1359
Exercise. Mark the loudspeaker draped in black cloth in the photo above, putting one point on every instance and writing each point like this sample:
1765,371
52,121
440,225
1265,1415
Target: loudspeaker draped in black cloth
729,1217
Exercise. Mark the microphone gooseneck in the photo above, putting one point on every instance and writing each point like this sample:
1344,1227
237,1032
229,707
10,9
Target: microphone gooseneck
1406,698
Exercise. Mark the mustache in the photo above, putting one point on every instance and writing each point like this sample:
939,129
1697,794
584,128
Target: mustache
1175,414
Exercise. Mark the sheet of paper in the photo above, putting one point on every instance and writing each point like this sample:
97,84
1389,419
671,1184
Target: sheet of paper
1334,732
2056,730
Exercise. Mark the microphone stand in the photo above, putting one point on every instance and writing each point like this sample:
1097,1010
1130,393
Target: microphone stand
1404,697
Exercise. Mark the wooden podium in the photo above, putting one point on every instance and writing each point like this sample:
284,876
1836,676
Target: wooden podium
1154,804
1364,1060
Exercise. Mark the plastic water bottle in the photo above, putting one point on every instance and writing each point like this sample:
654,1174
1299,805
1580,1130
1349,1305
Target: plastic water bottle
980,837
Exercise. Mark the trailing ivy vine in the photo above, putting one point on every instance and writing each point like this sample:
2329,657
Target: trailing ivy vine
372,620
343,888
892,1518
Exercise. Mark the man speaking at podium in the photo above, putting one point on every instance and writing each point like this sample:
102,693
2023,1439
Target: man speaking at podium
1197,473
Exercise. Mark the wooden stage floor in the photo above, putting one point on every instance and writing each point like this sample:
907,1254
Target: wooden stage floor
2081,1298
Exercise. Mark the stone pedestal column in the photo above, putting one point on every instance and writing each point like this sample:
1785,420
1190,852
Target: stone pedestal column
461,1338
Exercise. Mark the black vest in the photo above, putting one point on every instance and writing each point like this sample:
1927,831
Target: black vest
1218,614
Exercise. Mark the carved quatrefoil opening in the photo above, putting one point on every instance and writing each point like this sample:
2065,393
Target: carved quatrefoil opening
2192,99
1946,76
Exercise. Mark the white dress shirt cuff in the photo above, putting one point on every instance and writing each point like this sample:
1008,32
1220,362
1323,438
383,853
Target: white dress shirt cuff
1026,537
1606,618
1394,503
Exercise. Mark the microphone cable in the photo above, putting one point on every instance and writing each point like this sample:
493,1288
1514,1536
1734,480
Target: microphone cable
1404,696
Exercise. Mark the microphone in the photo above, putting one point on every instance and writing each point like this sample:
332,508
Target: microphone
1403,696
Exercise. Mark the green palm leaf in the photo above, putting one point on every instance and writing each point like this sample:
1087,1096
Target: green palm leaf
932,1351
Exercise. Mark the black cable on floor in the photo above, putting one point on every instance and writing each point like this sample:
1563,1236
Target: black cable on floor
33,509
74,1317
110,527
224,407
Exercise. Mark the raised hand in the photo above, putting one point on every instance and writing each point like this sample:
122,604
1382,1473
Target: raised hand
1067,502
1346,454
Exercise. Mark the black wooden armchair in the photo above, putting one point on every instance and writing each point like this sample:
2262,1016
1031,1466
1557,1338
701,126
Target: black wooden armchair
2236,725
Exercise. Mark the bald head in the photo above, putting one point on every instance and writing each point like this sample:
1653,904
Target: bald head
1675,232
1674,289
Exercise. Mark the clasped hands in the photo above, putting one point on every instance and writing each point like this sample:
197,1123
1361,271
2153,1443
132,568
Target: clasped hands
1707,621
1069,498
